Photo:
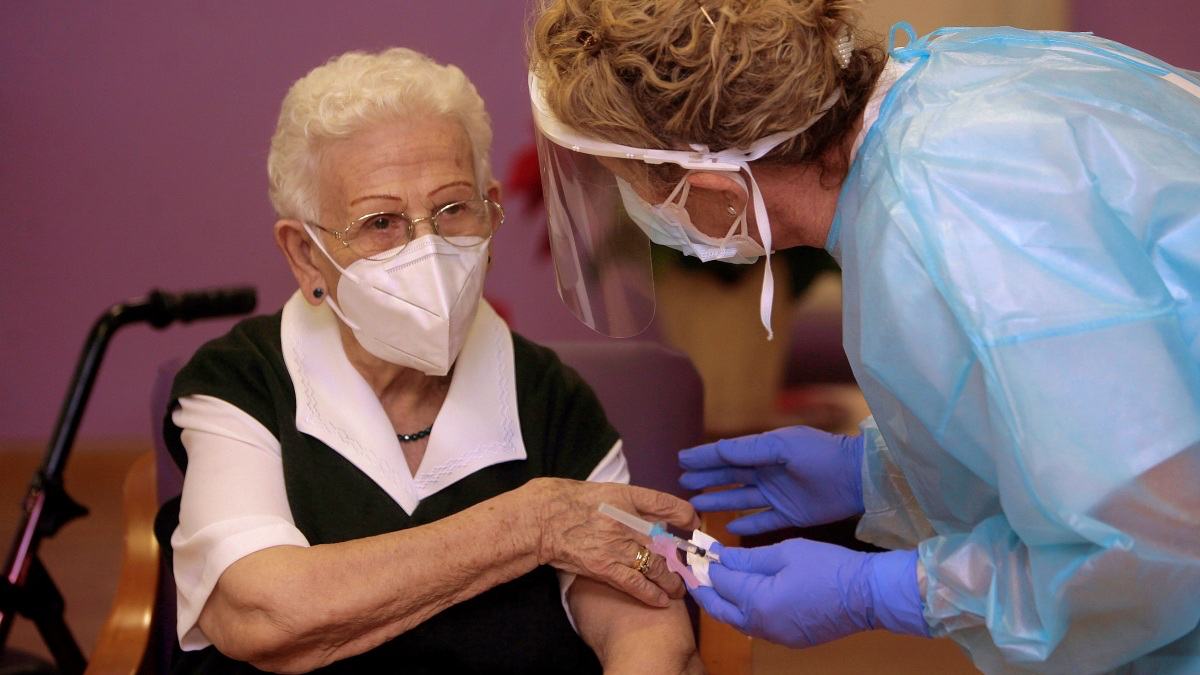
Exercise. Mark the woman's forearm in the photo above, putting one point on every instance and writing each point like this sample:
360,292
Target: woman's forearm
294,609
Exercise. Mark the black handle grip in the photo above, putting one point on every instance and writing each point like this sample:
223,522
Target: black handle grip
166,308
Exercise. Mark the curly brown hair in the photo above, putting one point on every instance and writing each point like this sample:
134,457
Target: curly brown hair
724,73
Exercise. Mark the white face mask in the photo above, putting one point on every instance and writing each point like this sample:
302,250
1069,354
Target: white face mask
669,224
413,310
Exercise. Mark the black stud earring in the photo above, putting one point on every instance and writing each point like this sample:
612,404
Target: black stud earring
318,293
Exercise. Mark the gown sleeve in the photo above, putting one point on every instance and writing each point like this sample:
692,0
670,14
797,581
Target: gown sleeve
892,518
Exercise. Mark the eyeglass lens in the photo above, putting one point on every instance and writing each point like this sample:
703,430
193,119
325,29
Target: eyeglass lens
460,223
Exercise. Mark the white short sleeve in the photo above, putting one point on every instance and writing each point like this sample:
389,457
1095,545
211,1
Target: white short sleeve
233,504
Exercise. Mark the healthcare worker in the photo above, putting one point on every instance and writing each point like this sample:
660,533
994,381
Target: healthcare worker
1017,217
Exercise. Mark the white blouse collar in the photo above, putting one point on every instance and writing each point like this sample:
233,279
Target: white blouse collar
477,427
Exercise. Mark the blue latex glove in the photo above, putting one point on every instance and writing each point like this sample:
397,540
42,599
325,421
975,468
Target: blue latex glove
802,593
803,476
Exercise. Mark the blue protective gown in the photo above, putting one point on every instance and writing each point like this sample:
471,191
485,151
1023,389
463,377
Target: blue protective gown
1020,242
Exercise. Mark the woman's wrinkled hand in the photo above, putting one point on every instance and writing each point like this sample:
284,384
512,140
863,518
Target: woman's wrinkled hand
575,537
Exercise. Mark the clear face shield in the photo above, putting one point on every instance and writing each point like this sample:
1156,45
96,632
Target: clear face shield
601,256
601,227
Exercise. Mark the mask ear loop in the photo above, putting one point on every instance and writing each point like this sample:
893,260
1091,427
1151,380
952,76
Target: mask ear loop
682,189
316,239
767,297
739,223
329,298
743,158
741,219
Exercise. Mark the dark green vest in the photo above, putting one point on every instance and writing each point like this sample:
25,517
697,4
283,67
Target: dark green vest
517,627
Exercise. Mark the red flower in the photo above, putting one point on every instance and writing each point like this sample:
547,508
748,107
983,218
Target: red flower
525,183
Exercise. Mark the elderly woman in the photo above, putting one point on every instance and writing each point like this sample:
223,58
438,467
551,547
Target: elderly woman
1017,218
381,476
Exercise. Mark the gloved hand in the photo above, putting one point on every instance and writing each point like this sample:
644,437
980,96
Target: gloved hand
802,593
806,477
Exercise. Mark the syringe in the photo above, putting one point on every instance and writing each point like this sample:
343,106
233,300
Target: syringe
655,529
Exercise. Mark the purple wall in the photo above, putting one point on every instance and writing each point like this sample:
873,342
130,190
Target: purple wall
134,141
1164,28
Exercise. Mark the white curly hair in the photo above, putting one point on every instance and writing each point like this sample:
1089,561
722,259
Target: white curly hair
353,92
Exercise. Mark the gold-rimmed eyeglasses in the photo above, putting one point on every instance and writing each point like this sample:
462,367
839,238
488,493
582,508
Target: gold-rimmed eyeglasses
383,235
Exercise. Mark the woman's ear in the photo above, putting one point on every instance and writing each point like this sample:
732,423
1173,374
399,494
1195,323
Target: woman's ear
301,259
731,193
493,193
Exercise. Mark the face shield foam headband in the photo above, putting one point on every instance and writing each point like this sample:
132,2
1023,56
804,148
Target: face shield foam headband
579,188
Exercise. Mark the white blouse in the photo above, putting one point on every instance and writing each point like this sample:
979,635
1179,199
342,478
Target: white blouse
234,502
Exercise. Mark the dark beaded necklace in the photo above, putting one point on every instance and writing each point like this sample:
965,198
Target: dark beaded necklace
408,438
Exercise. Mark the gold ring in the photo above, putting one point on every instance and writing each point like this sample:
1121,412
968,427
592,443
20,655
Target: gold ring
642,562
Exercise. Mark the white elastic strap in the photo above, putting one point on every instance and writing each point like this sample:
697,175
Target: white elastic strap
337,310
329,296
743,158
739,223
767,297
768,143
682,189
317,240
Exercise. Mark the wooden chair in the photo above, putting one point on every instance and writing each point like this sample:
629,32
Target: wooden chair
126,633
